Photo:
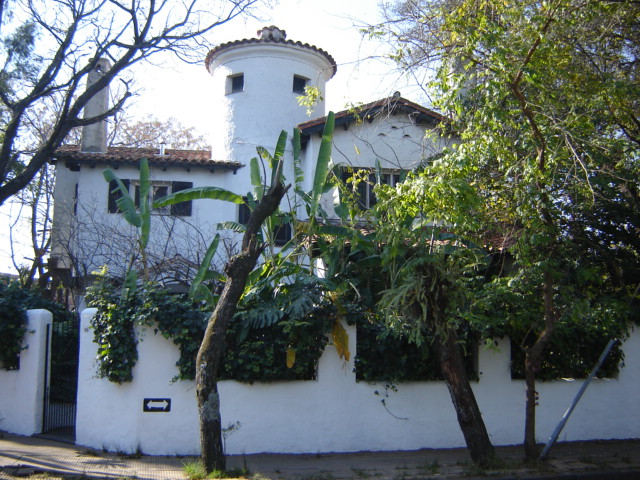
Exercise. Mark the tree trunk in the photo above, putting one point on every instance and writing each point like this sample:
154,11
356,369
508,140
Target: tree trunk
533,363
464,400
208,359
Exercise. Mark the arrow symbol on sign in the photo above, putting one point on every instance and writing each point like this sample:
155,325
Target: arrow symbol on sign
157,405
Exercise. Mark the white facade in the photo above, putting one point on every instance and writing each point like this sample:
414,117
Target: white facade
391,133
267,103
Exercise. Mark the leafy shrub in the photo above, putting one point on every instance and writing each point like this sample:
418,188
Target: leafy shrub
14,303
385,355
252,354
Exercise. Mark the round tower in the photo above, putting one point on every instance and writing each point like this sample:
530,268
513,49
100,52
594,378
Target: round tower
257,83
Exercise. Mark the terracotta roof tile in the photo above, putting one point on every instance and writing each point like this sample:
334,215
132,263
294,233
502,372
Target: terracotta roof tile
249,41
386,105
126,155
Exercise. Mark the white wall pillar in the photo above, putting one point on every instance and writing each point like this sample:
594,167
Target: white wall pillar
22,391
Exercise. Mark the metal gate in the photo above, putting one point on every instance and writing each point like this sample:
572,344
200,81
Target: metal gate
61,379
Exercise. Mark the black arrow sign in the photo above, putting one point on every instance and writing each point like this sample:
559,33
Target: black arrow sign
156,405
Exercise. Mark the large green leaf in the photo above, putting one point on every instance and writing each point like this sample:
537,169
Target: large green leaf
256,178
278,154
125,203
322,165
145,212
233,226
130,284
204,267
197,193
297,168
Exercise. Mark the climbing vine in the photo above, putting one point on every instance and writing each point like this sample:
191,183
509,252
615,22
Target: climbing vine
262,353
15,300
386,355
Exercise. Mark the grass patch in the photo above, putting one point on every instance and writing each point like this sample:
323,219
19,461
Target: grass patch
195,471
430,468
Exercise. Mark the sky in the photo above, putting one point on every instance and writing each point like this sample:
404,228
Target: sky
327,24
174,89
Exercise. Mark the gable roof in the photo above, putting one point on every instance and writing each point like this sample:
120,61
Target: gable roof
386,106
116,156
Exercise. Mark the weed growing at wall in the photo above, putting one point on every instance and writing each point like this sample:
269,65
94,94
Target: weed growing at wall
14,303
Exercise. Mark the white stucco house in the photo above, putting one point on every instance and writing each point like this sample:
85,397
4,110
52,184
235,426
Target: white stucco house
256,84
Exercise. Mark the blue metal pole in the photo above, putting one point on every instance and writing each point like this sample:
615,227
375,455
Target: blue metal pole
585,384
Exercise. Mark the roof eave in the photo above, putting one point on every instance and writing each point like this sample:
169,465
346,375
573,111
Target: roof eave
115,163
370,111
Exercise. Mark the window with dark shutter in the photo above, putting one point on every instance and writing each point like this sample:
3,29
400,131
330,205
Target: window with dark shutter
366,182
182,209
114,195
283,232
243,212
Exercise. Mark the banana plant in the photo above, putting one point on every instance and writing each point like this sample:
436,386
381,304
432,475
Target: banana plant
137,216
321,178
198,291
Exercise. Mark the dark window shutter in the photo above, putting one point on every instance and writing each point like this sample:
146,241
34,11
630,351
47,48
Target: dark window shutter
282,234
183,208
136,196
114,195
243,212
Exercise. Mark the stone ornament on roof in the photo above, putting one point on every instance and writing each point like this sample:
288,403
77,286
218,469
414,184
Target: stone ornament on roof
272,33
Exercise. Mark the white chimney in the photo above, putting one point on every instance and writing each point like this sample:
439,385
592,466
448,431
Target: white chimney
94,136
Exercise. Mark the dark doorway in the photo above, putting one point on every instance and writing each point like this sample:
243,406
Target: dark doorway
61,380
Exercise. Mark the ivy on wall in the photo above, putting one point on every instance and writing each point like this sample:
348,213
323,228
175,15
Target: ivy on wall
383,355
13,325
262,355
259,355
572,353
14,303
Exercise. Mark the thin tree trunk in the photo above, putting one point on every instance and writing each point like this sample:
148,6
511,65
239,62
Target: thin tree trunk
208,359
464,400
533,363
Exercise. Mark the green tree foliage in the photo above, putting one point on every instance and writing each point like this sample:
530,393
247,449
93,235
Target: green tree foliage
544,97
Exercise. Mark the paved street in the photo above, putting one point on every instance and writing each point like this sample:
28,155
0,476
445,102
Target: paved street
23,456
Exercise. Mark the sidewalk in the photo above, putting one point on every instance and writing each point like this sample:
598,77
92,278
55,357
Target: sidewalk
22,457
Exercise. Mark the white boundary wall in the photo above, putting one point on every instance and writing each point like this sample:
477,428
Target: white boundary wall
22,391
336,413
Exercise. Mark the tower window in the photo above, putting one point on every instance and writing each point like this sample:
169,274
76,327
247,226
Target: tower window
299,83
235,83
